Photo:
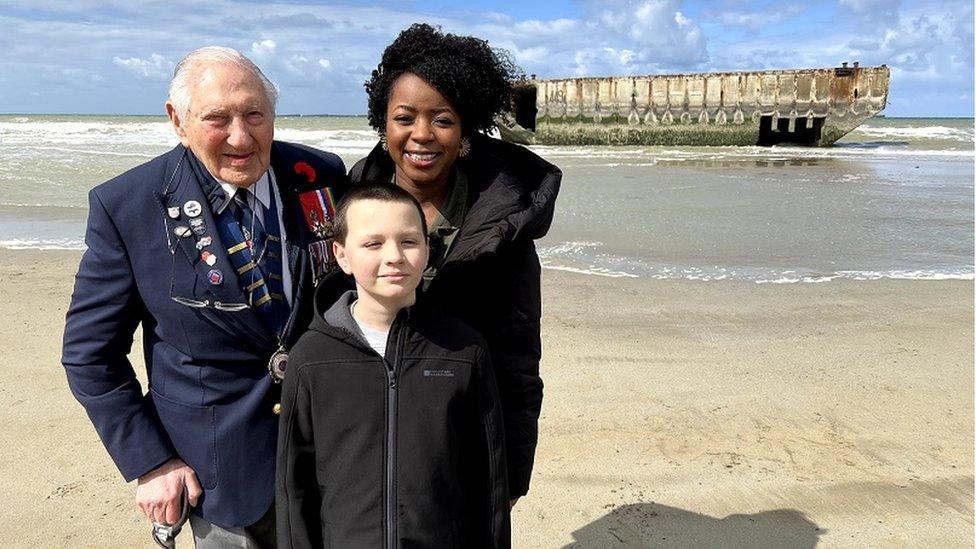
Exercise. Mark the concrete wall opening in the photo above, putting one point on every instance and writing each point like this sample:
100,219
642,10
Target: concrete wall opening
801,134
525,110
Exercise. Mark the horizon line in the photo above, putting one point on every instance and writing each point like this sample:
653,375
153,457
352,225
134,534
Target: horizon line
363,115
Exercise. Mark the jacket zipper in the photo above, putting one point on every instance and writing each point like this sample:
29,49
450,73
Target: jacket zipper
391,437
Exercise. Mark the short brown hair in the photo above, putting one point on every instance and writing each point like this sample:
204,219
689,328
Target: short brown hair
384,192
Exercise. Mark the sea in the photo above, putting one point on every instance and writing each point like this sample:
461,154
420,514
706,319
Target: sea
891,200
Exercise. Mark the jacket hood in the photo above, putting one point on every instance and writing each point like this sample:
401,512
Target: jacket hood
512,191
333,318
339,314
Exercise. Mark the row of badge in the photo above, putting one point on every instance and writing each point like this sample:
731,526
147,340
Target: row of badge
192,209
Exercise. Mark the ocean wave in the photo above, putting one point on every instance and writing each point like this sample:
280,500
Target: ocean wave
51,205
294,134
348,142
87,133
703,275
630,164
924,132
842,151
94,153
591,258
563,248
871,275
909,275
44,244
595,271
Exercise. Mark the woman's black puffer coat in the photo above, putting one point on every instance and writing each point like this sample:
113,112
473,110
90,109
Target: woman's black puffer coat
491,276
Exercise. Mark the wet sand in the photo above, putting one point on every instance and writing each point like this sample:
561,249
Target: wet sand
677,414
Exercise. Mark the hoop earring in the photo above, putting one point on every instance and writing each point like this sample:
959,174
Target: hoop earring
465,147
383,144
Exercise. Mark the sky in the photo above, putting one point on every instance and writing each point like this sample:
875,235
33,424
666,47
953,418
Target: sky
117,56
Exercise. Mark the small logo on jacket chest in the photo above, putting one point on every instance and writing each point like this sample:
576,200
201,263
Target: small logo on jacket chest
438,373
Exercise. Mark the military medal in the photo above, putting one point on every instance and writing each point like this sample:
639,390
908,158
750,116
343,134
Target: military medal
173,212
199,226
215,277
278,364
320,252
319,209
182,231
208,258
204,242
192,208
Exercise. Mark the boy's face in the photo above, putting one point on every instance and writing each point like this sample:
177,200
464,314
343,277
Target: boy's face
385,251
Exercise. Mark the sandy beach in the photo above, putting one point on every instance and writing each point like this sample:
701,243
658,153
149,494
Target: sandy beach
677,414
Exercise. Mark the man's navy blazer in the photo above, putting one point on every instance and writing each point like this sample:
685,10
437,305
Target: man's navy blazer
210,399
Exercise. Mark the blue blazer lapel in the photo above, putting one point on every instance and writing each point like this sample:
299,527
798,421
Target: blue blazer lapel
184,188
296,241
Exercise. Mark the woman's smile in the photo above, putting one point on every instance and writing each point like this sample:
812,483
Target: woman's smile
422,160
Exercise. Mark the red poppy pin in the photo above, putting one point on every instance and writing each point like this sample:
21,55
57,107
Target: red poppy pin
305,169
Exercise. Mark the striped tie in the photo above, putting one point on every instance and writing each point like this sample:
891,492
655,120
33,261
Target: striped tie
262,282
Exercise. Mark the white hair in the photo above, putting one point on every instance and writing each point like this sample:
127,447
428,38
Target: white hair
179,87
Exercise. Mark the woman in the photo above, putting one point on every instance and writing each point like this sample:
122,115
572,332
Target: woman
431,98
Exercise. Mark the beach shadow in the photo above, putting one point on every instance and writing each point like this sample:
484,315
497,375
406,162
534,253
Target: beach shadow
652,525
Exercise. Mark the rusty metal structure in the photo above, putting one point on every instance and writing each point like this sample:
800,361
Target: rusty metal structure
813,107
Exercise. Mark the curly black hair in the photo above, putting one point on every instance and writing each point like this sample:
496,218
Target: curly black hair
476,79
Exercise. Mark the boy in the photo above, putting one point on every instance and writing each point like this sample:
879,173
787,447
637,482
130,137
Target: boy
391,428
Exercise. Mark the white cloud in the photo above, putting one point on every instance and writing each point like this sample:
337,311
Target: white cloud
264,48
624,57
320,54
936,44
759,16
880,12
157,67
612,37
533,54
657,27
556,27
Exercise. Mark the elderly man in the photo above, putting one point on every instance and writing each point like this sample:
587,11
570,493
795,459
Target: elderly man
214,248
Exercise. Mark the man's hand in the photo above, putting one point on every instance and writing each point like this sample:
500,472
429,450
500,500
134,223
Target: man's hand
159,491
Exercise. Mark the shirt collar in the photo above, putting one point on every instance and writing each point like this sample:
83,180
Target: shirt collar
261,190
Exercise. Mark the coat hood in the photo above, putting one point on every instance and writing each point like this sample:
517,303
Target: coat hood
334,318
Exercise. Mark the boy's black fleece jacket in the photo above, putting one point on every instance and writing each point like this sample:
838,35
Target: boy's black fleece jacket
405,450
491,276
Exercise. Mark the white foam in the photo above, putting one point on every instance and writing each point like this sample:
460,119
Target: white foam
595,271
589,257
630,164
873,275
908,275
923,132
94,153
841,151
88,132
44,244
44,205
563,248
360,136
